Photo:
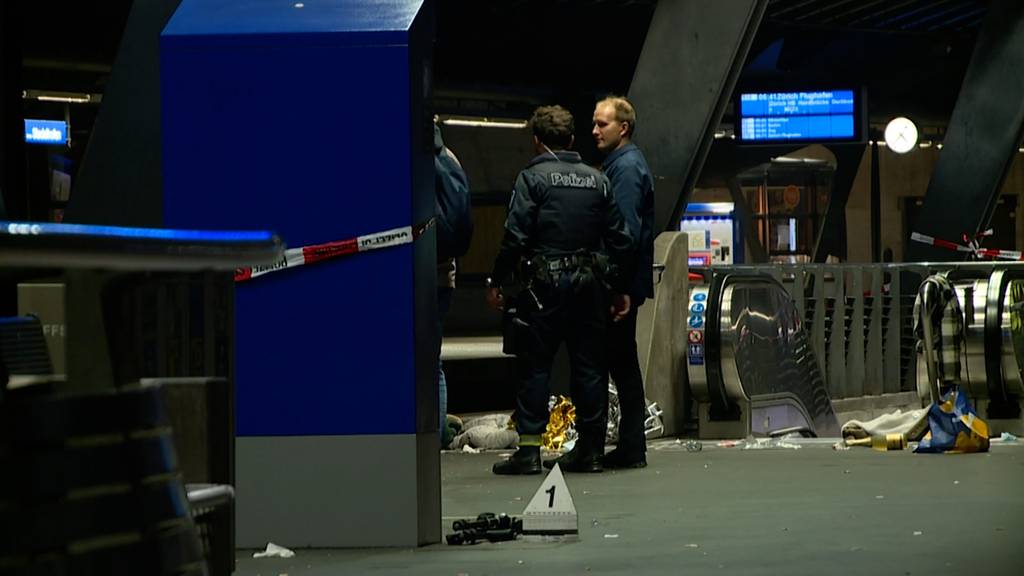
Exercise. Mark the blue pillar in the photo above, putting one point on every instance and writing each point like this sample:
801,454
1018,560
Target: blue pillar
310,119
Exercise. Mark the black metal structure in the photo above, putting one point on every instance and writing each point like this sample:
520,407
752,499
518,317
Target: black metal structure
684,79
831,239
984,133
876,205
23,348
120,179
912,16
12,142
758,254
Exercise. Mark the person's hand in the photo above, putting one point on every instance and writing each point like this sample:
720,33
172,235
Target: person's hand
495,298
620,306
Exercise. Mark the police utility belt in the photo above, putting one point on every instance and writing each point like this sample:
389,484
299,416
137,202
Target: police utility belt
541,270
565,263
538,272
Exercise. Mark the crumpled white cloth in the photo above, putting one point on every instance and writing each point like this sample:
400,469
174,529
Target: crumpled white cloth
274,551
898,422
490,432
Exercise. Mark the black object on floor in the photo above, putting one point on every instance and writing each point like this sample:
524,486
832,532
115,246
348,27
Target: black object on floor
486,526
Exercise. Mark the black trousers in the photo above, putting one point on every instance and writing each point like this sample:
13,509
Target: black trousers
624,368
578,316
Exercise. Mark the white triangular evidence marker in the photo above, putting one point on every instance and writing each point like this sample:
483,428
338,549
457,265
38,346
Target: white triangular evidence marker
551,510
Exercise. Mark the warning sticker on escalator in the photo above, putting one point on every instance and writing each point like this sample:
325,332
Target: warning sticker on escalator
696,354
695,336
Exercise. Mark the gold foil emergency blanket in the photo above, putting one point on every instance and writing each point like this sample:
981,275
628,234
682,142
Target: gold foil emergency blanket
560,429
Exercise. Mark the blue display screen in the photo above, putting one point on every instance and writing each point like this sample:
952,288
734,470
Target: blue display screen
784,116
126,233
46,131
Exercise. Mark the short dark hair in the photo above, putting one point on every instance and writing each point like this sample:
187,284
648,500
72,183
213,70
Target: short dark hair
553,126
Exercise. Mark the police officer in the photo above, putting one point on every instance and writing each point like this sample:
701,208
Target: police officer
562,224
633,187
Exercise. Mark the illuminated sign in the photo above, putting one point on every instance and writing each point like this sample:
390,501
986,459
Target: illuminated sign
73,231
46,131
826,115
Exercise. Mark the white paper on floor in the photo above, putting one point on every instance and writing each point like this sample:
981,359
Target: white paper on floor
274,551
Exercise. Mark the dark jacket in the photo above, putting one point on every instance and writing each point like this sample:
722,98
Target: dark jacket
633,187
452,205
560,207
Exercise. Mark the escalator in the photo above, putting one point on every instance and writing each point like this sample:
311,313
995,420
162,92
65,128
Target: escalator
992,354
750,361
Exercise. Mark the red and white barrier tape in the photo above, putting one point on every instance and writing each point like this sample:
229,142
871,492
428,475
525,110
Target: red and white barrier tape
294,257
976,250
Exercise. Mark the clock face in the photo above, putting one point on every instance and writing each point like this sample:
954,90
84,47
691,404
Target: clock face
901,135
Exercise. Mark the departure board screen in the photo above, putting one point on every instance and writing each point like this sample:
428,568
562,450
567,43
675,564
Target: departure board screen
821,116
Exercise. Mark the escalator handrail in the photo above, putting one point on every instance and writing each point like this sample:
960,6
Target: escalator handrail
993,335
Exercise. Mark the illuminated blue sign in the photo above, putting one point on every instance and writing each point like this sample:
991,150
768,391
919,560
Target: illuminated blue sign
788,116
125,233
46,131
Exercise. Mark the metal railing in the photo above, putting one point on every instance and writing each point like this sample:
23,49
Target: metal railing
860,318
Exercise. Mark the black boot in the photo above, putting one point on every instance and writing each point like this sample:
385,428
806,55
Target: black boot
582,458
620,458
526,460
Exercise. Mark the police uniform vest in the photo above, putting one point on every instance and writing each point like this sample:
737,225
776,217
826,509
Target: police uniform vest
559,218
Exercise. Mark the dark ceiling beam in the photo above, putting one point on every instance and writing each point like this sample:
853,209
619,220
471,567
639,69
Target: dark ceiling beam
943,17
871,20
971,23
774,13
860,8
975,14
905,17
923,7
836,5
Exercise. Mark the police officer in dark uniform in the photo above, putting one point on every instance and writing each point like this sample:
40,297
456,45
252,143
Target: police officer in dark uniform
568,238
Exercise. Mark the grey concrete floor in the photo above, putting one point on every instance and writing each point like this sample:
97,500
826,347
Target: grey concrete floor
730,511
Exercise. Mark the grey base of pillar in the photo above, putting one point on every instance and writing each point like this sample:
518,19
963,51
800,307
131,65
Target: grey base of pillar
723,429
338,491
661,332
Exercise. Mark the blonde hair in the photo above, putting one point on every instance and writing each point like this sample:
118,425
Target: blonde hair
624,111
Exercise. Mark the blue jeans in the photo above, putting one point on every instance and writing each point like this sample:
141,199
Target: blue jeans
444,302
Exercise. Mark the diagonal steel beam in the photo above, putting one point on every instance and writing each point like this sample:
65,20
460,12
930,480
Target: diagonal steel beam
982,138
692,56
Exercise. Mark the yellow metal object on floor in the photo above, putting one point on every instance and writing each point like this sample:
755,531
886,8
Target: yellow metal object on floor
881,443
562,417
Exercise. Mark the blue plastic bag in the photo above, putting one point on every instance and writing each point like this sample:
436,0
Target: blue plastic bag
954,427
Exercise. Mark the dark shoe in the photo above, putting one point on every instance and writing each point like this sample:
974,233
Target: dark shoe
576,460
526,460
619,459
